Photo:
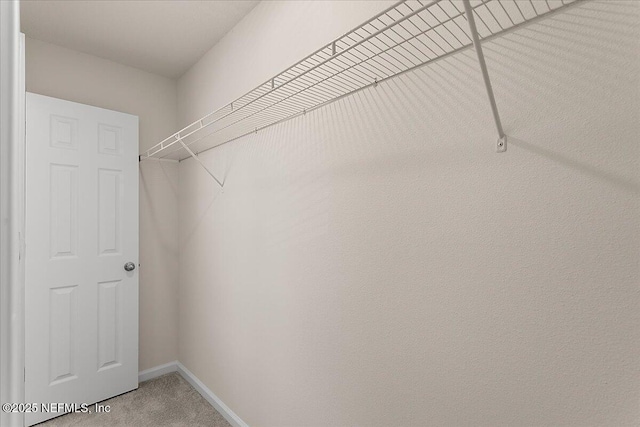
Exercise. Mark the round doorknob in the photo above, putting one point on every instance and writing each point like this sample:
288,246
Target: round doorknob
129,266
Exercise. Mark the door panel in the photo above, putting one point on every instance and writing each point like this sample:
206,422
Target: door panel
62,322
81,308
64,210
109,333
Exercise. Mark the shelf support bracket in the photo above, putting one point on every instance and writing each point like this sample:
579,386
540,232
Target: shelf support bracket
197,159
501,145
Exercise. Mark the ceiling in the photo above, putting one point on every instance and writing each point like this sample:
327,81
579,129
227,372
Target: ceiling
162,37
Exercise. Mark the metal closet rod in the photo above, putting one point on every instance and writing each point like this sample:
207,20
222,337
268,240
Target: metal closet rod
355,61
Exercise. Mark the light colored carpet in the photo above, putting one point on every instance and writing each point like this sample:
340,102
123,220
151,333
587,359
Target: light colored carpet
164,401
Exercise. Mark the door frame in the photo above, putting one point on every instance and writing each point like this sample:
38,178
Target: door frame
12,197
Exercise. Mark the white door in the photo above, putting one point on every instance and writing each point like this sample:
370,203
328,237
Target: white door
81,306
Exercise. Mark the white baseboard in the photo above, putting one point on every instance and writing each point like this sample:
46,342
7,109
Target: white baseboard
214,400
149,374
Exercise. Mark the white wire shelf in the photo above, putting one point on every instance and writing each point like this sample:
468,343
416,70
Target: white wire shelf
408,35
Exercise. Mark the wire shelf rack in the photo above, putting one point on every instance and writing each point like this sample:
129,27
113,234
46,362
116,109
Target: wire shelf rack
408,35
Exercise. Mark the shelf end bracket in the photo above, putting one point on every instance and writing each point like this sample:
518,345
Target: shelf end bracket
197,159
501,145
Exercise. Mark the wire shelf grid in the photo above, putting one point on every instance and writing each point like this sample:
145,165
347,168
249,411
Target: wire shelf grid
408,35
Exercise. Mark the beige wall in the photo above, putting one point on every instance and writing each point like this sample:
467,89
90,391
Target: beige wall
159,263
64,73
376,263
55,71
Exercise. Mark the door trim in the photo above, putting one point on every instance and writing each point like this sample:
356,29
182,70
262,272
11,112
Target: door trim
12,128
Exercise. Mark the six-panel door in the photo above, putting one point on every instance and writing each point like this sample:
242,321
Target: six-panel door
81,305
